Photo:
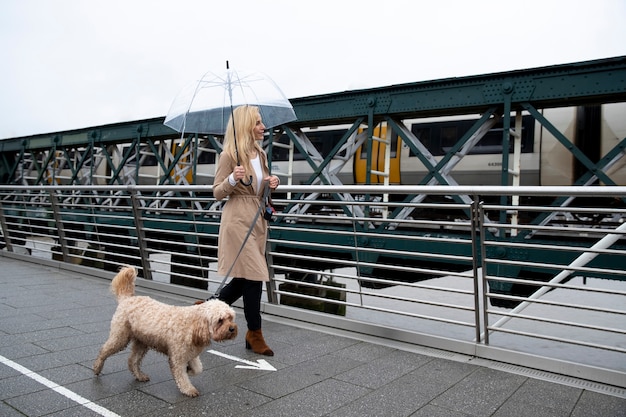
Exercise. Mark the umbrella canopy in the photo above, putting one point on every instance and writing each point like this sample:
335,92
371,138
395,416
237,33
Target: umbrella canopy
205,105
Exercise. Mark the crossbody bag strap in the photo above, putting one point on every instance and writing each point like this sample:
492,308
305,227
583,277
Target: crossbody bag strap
266,193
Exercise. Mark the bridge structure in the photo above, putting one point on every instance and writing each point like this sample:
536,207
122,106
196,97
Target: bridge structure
147,152
114,153
138,192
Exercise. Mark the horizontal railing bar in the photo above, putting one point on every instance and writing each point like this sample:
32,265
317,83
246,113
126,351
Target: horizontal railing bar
373,308
562,248
564,322
491,190
558,266
383,296
559,339
554,285
552,303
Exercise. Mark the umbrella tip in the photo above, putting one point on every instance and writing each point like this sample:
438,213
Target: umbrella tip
227,64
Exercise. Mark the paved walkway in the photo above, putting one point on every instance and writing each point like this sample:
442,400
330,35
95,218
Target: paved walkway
53,322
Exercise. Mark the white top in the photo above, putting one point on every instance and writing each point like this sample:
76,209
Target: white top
256,164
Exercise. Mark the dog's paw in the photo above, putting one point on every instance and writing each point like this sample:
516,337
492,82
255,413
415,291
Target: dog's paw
191,393
97,367
142,378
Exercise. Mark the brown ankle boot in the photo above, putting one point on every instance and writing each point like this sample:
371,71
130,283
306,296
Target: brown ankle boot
255,341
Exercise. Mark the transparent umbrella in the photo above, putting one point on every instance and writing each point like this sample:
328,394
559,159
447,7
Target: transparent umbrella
205,105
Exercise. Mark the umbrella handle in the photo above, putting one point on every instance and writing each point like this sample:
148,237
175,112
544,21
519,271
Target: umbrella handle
246,183
241,180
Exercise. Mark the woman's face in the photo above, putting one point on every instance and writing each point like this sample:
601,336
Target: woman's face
259,128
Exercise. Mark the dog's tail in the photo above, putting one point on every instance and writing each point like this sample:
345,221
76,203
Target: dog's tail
123,285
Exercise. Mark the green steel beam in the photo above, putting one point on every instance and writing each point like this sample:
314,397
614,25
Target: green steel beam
107,134
599,81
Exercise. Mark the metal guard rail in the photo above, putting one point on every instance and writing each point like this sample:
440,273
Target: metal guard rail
457,285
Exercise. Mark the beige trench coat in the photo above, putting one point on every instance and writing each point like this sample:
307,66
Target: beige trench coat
238,212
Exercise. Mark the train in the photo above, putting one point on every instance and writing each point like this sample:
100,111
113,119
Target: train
595,130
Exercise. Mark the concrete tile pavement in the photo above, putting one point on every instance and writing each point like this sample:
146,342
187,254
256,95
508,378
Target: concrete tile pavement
53,322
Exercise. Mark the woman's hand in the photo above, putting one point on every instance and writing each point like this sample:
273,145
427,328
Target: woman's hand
273,181
239,172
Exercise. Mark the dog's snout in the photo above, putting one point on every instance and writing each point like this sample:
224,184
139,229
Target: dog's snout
232,329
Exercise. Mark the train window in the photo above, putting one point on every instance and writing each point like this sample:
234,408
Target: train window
323,140
149,159
280,153
206,157
74,157
449,136
422,133
125,150
440,137
318,140
81,156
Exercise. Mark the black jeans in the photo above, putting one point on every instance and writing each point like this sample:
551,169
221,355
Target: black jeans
251,292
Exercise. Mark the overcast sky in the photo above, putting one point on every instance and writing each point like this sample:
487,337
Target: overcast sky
71,64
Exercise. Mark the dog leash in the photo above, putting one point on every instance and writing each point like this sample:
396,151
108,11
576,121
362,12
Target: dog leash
256,217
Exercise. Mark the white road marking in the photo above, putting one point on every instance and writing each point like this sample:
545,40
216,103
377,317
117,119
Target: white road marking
61,390
260,364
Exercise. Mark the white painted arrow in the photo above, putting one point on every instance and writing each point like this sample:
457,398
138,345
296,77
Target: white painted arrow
260,364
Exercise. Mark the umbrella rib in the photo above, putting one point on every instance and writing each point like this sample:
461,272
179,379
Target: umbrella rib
201,111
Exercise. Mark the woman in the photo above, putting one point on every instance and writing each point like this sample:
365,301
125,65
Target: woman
249,268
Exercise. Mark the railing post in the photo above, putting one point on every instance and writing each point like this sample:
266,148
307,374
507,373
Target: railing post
476,243
5,230
141,237
58,220
484,284
271,284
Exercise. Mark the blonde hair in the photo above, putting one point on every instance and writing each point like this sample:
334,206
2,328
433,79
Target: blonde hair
245,121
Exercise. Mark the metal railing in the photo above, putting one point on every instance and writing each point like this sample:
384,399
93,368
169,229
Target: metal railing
548,295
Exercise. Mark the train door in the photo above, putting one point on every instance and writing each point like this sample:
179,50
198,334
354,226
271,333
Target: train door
54,169
384,141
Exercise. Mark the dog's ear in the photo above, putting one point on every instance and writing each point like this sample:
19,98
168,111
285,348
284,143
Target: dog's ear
201,333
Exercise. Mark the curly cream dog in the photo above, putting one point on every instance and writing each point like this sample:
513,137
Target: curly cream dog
181,333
